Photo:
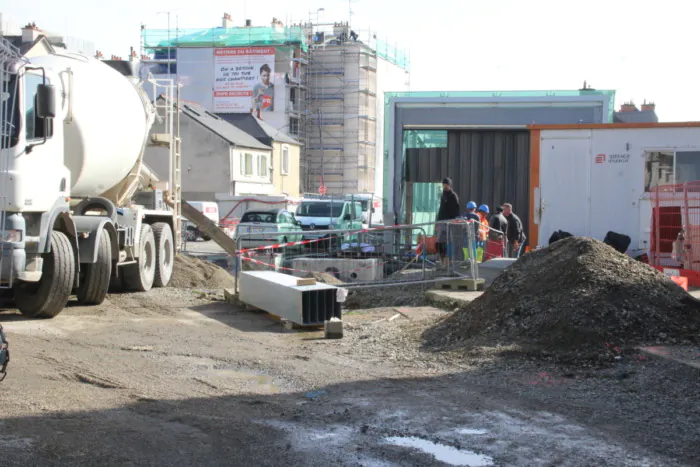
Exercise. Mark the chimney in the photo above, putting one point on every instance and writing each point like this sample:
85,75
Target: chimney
248,23
30,33
98,55
628,107
226,21
648,106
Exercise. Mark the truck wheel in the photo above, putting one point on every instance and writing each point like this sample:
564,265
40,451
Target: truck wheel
139,277
46,298
93,288
165,253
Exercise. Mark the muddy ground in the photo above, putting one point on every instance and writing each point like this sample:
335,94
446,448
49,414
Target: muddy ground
175,377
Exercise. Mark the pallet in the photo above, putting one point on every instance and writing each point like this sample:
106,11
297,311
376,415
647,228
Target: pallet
471,285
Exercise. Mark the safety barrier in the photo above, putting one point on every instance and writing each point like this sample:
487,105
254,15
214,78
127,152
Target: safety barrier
361,258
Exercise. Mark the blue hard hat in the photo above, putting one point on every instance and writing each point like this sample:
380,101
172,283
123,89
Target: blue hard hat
471,205
484,208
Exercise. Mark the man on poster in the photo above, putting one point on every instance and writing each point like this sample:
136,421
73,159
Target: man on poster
263,93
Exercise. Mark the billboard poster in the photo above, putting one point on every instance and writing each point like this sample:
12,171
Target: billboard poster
244,80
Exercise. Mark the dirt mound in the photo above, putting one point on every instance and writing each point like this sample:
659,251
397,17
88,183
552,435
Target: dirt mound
576,299
383,297
190,273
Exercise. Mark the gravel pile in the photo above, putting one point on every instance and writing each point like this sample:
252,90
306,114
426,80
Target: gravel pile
191,273
576,299
382,297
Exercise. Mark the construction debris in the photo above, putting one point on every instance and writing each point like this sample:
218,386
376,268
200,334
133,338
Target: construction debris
576,299
190,273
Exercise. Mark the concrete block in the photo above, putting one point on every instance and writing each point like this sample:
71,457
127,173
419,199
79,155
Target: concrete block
230,296
333,329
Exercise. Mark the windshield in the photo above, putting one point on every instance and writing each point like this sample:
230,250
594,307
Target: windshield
9,110
264,217
320,209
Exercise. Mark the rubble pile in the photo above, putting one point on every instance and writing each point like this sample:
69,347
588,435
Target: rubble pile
576,299
191,273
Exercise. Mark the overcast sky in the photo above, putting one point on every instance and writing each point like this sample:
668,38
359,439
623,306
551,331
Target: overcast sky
644,50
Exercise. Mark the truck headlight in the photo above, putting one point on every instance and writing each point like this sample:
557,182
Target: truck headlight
10,236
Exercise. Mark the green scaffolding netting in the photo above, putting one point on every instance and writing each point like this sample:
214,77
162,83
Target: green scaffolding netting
223,37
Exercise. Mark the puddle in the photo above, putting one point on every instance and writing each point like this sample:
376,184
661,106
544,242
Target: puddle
471,431
441,452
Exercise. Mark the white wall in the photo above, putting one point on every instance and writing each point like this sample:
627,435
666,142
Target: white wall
589,195
390,78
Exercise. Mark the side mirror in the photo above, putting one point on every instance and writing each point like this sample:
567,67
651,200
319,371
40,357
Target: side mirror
45,101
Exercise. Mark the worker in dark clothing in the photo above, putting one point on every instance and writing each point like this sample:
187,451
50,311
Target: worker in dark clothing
449,209
515,233
498,226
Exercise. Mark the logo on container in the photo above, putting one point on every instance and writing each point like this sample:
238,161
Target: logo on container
600,159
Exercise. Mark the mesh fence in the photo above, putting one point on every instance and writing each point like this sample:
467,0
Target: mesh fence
384,256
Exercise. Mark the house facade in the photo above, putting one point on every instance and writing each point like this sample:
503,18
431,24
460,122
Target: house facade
218,159
286,152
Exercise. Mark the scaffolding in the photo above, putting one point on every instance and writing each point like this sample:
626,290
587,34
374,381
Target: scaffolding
341,147
331,91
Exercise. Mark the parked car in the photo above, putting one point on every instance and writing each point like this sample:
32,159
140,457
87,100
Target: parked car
268,224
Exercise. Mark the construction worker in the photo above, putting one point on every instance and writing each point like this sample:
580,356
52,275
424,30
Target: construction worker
471,215
483,213
449,209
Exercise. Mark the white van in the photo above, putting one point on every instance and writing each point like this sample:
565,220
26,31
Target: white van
211,210
371,208
328,214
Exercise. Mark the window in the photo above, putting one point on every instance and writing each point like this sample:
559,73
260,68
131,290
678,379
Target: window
262,166
687,166
286,218
669,167
264,217
247,164
320,209
358,211
35,127
285,160
7,98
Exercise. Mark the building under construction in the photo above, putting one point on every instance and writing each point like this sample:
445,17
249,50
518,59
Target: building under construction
328,82
347,76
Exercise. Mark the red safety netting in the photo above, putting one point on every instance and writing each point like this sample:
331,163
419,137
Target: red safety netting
675,226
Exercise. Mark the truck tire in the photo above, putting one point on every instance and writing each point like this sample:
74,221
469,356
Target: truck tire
93,287
165,253
139,277
46,298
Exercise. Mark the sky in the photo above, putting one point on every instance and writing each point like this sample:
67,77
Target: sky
641,49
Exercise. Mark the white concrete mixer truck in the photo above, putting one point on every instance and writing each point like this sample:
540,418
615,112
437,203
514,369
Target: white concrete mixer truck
76,213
